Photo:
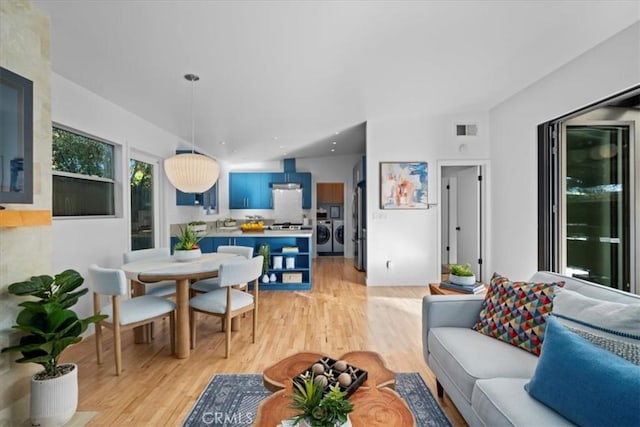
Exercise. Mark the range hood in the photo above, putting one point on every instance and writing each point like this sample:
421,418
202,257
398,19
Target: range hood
286,186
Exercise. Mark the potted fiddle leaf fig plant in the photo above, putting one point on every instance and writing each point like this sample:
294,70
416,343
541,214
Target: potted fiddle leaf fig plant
320,409
187,247
51,326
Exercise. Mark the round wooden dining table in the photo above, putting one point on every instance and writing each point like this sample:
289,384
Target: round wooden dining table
183,273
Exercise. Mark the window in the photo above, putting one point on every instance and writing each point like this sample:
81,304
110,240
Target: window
83,175
589,173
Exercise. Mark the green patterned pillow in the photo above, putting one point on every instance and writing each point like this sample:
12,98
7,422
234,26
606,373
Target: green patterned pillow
514,312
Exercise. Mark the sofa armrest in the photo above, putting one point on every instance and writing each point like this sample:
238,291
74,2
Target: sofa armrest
457,311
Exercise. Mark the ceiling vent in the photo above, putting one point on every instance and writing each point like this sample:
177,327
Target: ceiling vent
466,129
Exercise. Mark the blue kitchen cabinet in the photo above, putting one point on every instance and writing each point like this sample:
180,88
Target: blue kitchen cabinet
249,190
301,178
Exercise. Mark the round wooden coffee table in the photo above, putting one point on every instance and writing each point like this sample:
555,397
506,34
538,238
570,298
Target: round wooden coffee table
275,376
375,403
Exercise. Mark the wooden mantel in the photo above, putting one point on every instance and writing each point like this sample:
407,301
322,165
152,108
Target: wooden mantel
16,218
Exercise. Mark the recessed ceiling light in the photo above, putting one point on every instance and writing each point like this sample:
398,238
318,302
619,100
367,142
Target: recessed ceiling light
222,142
275,138
334,143
333,149
337,133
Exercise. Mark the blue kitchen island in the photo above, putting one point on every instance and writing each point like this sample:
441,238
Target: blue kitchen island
297,278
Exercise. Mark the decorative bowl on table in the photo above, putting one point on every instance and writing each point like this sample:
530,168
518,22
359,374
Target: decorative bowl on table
187,255
337,373
462,280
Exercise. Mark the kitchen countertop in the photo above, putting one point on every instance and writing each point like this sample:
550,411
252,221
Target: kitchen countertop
265,233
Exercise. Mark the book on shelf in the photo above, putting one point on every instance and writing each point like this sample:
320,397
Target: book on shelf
289,249
476,288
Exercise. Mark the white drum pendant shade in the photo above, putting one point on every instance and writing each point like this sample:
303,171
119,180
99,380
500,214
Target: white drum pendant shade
191,173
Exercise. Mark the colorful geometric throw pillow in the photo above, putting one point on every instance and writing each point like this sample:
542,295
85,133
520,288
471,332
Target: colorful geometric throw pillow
514,312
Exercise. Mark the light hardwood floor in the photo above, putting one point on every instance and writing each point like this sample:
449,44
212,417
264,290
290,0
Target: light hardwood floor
341,314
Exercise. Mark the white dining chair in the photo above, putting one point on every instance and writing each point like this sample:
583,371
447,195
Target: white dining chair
208,285
165,288
126,313
227,302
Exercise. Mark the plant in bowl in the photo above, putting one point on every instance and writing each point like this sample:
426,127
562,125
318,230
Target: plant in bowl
320,409
187,247
50,328
462,274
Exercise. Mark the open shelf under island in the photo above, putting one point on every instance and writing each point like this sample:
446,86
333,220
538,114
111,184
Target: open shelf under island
277,240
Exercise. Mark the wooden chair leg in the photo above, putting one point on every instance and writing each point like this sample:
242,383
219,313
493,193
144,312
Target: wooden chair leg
192,327
255,323
99,342
172,331
117,344
228,337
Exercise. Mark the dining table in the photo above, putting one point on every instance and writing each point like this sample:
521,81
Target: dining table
184,273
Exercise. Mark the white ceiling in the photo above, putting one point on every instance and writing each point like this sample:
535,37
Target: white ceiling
282,77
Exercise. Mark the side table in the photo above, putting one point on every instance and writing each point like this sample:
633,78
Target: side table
435,289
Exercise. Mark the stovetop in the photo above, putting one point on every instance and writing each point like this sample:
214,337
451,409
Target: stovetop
288,226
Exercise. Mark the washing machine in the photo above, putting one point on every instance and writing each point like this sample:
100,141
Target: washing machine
324,236
338,236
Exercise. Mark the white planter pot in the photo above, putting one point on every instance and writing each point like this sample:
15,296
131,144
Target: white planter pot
54,401
189,255
462,280
347,423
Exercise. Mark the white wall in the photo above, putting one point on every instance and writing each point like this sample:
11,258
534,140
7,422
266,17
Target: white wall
78,243
606,69
409,238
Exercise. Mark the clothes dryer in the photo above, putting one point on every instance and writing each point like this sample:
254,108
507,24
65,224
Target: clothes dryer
338,236
324,239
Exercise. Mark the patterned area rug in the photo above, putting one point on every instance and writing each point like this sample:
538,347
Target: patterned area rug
231,400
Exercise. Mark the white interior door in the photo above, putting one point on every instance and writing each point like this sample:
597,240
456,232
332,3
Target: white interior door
468,225
449,199
461,216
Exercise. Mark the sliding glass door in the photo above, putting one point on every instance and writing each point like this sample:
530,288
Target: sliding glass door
597,202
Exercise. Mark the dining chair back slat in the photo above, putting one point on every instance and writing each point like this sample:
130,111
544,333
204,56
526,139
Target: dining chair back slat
240,272
245,251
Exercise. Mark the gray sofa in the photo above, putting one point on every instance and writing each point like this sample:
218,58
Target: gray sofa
485,377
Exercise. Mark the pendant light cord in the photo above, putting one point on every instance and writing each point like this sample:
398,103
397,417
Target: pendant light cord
193,79
193,119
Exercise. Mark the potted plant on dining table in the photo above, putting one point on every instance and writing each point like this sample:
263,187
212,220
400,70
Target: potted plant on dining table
187,248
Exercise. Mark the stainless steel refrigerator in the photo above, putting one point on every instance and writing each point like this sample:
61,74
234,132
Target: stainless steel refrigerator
360,227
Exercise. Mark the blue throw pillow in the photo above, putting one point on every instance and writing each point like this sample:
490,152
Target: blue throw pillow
584,383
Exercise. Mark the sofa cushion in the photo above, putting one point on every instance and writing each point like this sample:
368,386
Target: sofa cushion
504,402
465,355
514,312
608,384
611,325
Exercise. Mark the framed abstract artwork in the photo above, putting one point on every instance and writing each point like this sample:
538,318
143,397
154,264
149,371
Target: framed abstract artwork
403,185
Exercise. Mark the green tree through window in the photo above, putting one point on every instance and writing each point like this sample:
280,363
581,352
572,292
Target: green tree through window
79,154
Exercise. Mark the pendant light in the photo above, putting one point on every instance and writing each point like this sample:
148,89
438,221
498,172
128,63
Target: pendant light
192,172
